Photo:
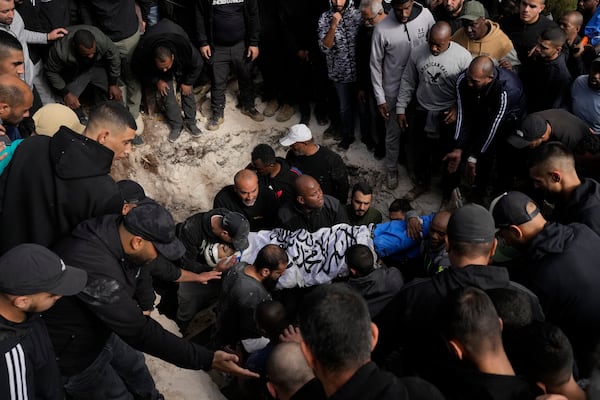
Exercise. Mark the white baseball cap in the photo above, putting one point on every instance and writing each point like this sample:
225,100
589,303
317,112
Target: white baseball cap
297,133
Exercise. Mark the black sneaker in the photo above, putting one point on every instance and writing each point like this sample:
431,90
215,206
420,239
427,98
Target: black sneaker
330,132
305,119
379,153
253,113
81,115
193,129
322,120
174,134
345,143
137,140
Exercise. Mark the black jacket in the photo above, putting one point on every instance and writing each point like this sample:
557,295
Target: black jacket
409,321
371,383
51,185
292,217
378,287
582,207
300,20
187,64
204,22
117,19
327,167
547,84
470,384
482,114
563,274
64,64
36,372
282,184
524,36
196,233
80,325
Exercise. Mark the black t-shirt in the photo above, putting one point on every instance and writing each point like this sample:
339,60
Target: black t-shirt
229,26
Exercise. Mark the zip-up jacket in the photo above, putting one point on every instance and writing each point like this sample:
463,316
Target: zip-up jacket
341,57
391,46
482,113
63,64
28,369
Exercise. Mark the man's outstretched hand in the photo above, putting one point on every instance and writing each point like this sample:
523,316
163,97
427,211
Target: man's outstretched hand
227,362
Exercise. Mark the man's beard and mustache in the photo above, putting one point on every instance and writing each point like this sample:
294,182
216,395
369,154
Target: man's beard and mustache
86,63
269,284
137,260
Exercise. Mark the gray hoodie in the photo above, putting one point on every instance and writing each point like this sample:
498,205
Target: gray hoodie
391,46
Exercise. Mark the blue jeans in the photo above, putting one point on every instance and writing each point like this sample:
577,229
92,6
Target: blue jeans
346,93
118,373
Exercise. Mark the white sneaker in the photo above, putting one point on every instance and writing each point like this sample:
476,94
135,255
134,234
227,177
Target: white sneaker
139,121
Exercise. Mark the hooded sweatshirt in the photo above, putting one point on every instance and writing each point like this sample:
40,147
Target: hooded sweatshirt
51,185
341,57
391,46
562,273
80,325
494,44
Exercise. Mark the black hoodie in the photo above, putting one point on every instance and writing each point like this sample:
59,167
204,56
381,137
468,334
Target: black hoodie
80,325
51,185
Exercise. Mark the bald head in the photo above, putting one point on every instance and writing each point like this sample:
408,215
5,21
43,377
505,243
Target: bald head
15,99
573,17
287,370
442,218
245,175
246,186
482,65
304,182
439,228
439,37
309,192
441,30
480,72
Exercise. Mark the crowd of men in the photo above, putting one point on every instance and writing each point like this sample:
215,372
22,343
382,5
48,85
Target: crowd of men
493,299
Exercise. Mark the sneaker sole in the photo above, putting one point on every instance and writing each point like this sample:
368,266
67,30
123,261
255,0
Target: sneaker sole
269,113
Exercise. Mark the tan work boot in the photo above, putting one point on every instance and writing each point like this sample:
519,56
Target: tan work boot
285,113
271,108
214,123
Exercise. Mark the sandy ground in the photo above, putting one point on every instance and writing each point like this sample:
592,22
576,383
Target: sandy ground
186,175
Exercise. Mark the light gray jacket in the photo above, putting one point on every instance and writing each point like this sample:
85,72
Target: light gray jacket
391,46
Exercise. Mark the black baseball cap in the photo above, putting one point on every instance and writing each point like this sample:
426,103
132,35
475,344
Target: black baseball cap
131,191
511,209
533,127
30,268
471,224
238,228
153,222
